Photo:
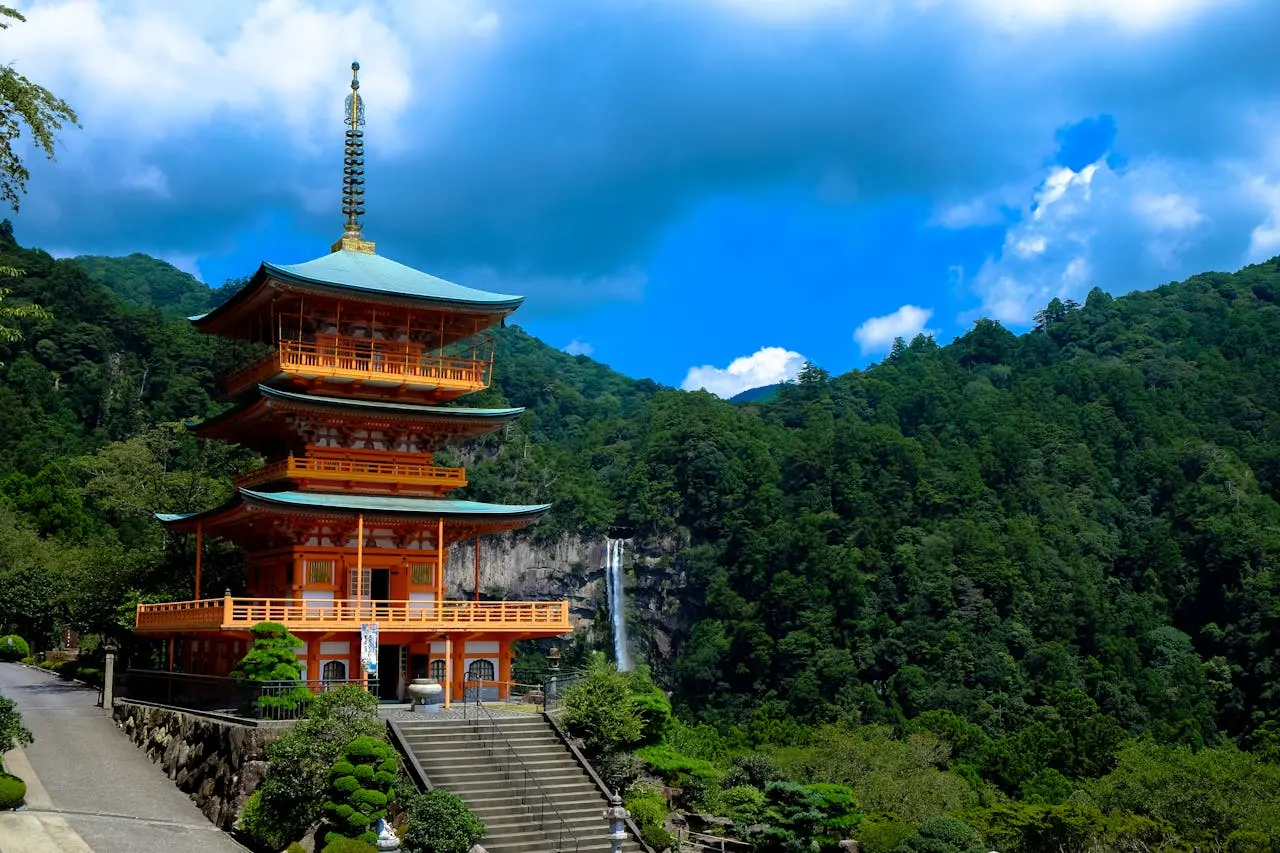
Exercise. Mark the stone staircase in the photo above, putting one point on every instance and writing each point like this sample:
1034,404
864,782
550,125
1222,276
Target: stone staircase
454,756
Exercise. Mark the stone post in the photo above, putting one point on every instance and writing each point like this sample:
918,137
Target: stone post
616,816
109,676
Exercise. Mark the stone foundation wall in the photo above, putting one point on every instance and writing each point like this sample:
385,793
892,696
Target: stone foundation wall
218,762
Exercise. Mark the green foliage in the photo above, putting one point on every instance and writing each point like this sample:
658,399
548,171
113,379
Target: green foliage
12,791
13,733
883,833
295,847
261,829
293,792
696,777
943,835
840,813
1027,828
440,822
149,282
360,786
1203,795
599,708
888,774
13,647
25,104
752,769
349,845
791,820
620,769
649,810
273,658
743,803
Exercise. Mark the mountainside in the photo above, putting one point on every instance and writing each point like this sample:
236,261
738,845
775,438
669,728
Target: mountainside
148,282
1031,548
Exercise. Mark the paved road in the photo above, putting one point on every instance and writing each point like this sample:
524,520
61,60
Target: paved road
93,786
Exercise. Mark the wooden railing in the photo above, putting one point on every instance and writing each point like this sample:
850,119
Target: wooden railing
390,474
544,617
365,360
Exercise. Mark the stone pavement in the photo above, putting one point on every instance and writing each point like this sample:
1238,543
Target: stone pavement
89,789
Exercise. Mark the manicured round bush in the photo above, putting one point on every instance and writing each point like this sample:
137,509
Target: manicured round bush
440,822
360,788
12,791
13,647
255,823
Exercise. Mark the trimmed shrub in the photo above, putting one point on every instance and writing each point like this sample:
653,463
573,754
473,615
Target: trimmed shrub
649,810
12,791
440,822
743,803
755,770
361,784
295,847
273,657
943,835
13,647
12,732
620,770
348,845
261,830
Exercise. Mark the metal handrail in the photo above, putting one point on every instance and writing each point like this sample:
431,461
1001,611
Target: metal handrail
527,778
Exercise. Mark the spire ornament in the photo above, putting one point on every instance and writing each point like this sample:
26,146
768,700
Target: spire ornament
352,239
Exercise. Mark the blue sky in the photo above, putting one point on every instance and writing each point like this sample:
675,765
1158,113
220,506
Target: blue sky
705,192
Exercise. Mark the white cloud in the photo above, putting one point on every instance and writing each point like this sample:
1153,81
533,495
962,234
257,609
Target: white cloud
149,178
1167,211
1130,14
767,366
877,333
577,347
1122,228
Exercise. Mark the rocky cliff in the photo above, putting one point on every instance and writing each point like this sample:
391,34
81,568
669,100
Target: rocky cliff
517,566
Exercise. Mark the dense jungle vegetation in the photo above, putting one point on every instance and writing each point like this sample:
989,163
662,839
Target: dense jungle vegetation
1027,583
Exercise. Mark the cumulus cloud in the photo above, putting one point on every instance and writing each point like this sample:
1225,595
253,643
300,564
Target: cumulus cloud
501,136
1121,228
877,333
577,347
766,366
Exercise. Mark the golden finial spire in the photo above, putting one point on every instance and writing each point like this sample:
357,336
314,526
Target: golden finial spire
352,239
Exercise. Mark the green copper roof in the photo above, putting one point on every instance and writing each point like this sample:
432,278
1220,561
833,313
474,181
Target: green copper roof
375,274
373,504
391,503
377,405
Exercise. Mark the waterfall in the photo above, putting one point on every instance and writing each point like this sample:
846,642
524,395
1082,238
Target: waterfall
615,589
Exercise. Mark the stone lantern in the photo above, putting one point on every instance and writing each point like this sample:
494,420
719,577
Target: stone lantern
616,816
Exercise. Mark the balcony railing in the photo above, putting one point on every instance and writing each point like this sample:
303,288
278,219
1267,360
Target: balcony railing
381,476
546,618
371,362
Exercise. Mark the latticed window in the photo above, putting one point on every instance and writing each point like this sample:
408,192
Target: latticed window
422,573
436,670
366,584
319,571
481,670
334,670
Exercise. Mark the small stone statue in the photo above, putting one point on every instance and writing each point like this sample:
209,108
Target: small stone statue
616,817
387,838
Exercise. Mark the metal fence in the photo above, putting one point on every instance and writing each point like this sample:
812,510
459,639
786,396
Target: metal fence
260,700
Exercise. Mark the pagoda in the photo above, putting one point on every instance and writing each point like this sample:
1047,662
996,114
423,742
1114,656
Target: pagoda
349,522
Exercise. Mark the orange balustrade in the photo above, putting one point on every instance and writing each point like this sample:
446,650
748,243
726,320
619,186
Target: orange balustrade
545,617
396,473
384,363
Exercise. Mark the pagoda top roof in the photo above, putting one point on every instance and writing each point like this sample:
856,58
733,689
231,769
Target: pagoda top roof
373,505
368,277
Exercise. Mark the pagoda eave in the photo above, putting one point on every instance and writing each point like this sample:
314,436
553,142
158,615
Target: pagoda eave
470,516
271,412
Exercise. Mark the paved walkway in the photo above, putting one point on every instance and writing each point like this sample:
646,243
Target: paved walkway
89,789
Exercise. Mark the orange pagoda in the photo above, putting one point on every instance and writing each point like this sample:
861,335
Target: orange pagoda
348,524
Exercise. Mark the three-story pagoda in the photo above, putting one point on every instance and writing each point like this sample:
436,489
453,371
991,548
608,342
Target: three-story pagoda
350,520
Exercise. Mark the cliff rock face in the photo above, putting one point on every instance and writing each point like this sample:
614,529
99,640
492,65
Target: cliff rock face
518,567
218,763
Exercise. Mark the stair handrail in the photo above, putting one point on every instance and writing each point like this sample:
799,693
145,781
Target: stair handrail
472,688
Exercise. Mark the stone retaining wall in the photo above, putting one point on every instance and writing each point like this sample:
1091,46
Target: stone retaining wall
217,761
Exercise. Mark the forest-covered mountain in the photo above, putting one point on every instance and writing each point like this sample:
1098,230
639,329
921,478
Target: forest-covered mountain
1030,548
